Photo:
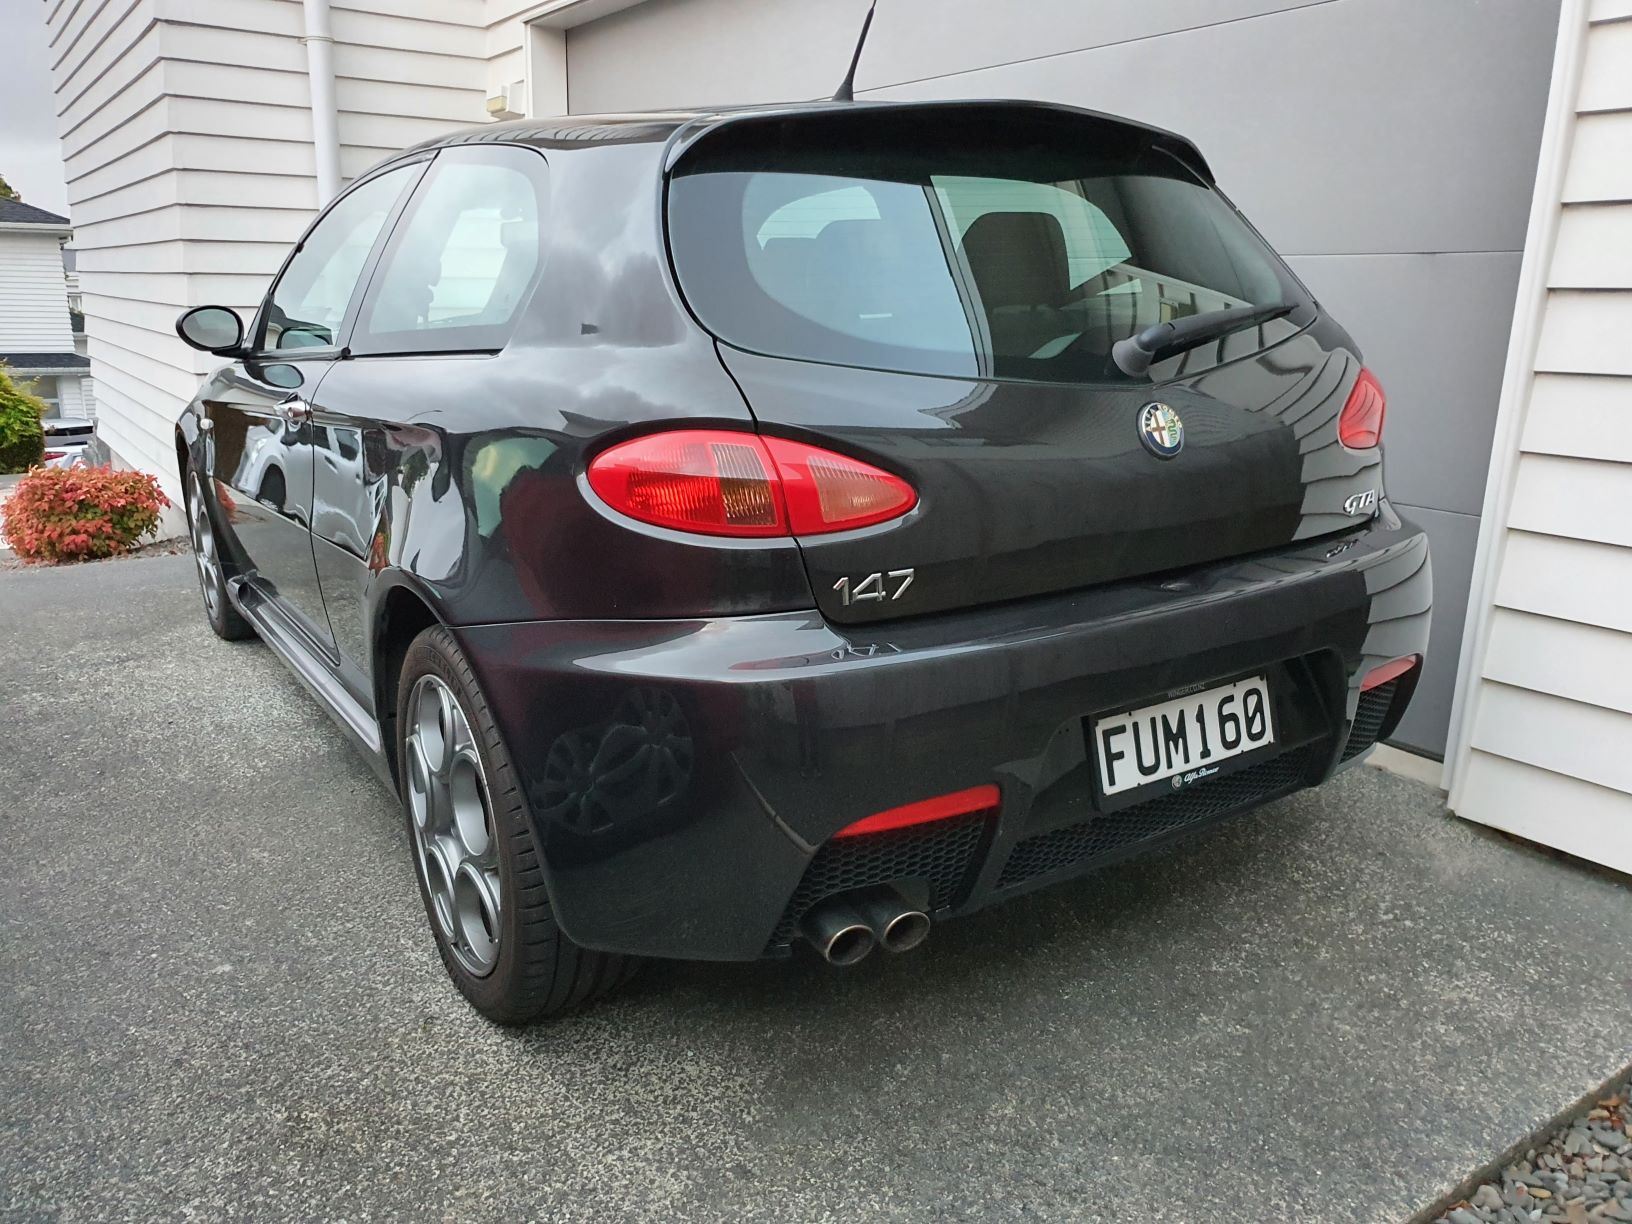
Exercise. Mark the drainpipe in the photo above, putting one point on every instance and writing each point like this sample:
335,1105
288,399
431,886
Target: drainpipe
325,125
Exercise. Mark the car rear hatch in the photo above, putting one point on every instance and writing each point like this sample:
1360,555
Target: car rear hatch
938,290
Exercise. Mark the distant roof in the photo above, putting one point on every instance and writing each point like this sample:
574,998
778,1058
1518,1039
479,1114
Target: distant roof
20,362
15,212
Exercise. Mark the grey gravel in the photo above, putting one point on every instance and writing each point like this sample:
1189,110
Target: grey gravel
218,1000
1588,1175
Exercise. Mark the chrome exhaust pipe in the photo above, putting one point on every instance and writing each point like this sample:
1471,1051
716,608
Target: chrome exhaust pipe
897,923
838,932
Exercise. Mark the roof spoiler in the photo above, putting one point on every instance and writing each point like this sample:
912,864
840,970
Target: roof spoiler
688,135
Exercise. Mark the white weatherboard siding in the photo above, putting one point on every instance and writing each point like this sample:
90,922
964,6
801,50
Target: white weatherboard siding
33,294
186,135
1542,738
69,402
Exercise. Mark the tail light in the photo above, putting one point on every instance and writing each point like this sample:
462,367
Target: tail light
942,807
724,483
1361,425
53,455
1379,676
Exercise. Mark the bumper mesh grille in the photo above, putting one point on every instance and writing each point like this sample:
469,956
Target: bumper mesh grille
1368,719
938,853
1102,834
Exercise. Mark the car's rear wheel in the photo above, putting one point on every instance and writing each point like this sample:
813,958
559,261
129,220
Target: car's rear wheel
478,864
225,619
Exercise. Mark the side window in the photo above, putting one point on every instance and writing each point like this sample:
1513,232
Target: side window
463,261
308,304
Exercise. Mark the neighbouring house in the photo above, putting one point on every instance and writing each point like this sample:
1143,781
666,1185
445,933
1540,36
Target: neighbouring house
37,336
1375,153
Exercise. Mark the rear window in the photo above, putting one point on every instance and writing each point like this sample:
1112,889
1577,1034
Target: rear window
1023,247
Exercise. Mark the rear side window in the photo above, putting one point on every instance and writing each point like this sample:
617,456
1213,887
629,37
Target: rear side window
464,258
981,249
308,304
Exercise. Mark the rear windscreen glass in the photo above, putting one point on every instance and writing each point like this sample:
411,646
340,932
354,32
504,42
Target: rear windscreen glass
1012,248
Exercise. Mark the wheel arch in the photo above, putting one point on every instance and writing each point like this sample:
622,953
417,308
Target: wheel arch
401,613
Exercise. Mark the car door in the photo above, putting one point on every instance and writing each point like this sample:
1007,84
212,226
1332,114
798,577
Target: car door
448,288
263,455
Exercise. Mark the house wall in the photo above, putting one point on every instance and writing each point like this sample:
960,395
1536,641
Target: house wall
1364,137
33,298
1544,725
186,135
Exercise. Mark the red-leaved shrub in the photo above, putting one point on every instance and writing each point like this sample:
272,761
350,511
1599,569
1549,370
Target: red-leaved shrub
78,514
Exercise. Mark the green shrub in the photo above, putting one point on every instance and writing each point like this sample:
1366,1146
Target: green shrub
22,438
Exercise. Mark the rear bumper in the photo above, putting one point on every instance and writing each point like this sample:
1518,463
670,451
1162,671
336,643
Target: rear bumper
683,776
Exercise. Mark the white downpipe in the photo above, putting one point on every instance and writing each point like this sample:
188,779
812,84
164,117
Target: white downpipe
319,42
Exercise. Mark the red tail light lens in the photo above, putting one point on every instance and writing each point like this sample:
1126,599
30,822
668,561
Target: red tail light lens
53,455
707,481
1361,425
718,482
942,807
828,492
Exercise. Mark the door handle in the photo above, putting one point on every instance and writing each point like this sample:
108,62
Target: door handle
296,409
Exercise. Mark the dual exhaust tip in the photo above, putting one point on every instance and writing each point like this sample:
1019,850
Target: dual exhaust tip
846,929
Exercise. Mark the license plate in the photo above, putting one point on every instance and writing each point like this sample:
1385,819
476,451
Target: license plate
1184,739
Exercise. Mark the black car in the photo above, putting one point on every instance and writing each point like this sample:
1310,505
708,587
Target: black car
733,528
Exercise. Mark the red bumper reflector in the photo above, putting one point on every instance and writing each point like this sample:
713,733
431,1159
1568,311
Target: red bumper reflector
958,803
1389,671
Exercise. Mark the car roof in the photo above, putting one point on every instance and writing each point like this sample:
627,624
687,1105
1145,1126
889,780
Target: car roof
658,126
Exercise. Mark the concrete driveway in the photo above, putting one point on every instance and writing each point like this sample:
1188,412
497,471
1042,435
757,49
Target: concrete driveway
217,998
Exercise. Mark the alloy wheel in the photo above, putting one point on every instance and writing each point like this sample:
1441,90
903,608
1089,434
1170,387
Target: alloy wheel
205,555
454,838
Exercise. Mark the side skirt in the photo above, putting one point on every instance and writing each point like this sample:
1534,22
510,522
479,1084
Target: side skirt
355,721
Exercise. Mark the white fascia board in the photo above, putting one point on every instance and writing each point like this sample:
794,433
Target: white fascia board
564,14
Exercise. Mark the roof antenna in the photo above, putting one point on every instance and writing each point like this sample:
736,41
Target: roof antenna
847,91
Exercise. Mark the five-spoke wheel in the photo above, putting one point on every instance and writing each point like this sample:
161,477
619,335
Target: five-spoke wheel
454,839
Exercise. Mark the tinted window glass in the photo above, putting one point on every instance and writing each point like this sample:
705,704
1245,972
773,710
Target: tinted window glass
1008,253
464,259
309,301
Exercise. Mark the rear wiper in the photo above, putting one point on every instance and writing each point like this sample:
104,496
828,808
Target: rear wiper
1134,355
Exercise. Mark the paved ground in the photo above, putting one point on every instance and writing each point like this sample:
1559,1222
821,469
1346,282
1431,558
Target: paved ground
217,1001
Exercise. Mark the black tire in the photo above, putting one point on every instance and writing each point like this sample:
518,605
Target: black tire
538,971
202,526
